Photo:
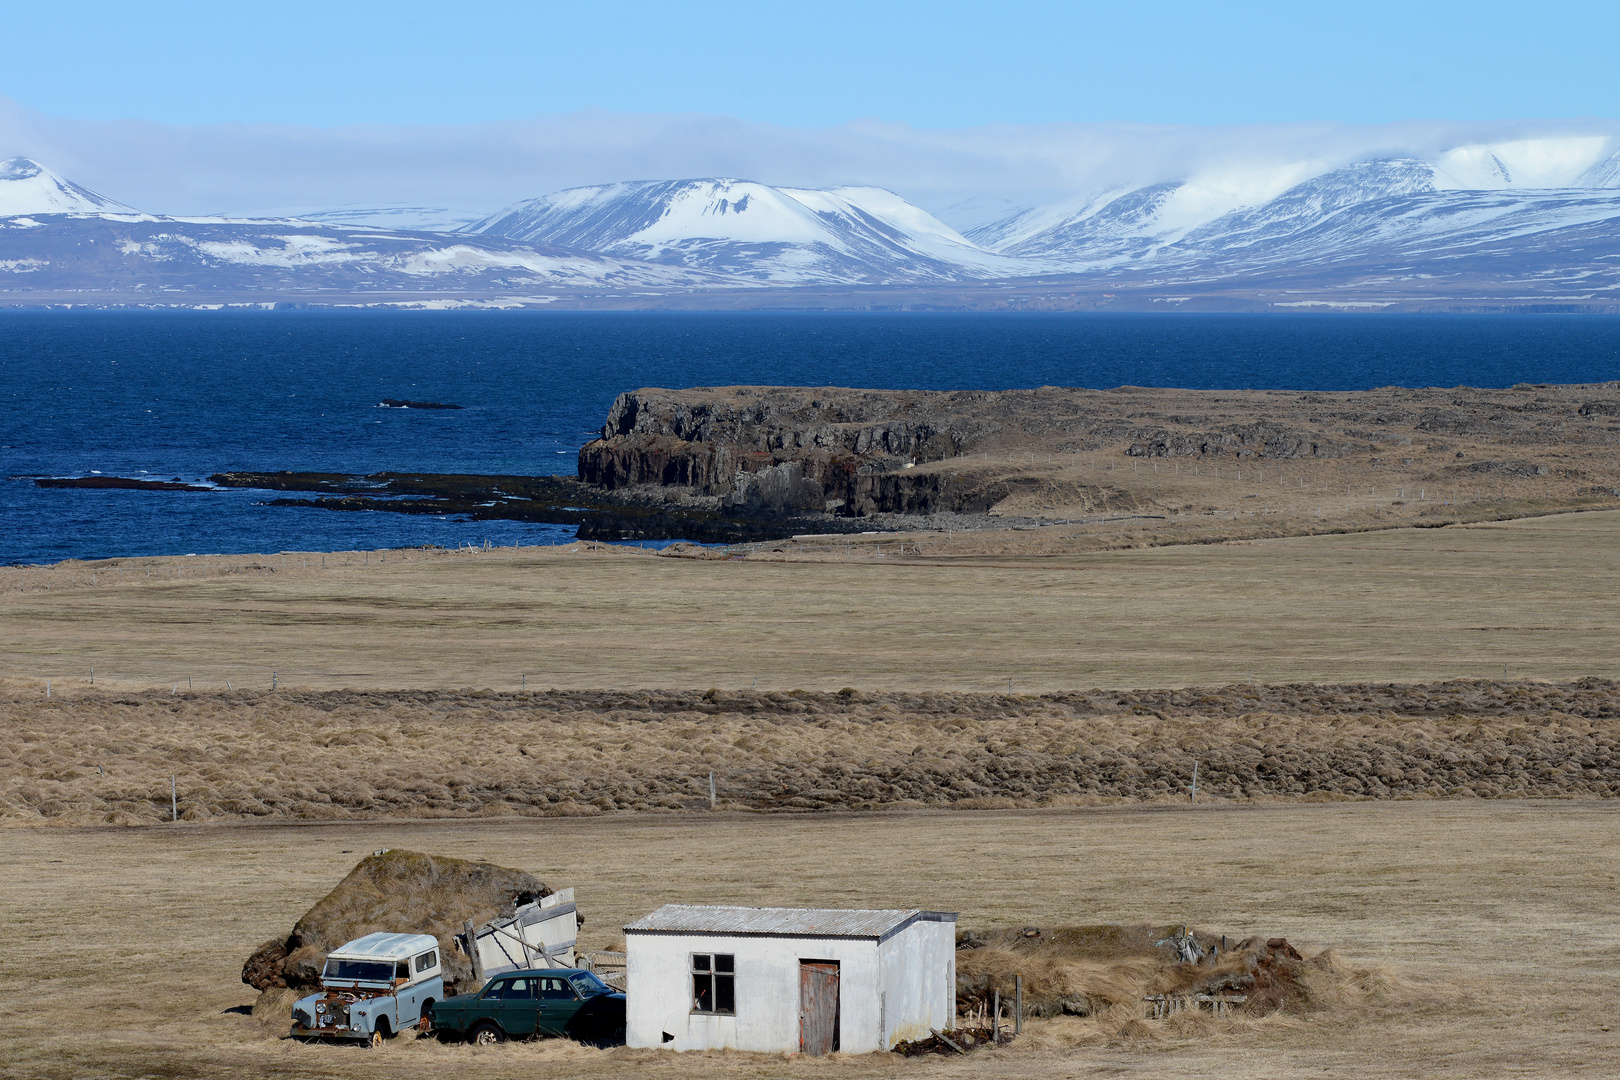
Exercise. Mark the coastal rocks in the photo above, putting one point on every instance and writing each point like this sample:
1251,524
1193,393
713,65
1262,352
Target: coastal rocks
1053,452
851,452
778,487
1245,440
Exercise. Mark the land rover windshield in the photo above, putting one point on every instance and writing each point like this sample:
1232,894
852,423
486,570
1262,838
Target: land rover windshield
381,971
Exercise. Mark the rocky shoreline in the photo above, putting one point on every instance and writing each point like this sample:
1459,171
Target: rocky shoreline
741,464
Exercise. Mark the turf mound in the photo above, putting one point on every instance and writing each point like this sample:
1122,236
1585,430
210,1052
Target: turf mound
1143,972
394,892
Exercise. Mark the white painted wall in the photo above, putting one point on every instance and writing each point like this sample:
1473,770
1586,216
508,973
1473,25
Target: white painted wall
918,980
908,983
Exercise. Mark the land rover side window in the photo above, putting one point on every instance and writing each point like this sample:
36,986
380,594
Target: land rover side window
402,970
427,960
714,988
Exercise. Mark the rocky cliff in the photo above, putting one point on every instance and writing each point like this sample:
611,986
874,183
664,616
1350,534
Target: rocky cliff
864,452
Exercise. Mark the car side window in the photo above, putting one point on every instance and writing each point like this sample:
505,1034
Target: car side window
496,989
520,989
554,989
427,960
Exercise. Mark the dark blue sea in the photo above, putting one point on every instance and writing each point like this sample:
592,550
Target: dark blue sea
186,394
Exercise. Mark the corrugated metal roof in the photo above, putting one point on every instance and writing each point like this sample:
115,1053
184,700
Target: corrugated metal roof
805,922
387,946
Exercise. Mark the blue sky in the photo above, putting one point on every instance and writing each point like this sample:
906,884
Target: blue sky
926,65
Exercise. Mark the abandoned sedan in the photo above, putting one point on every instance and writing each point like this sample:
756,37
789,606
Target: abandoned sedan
371,988
518,1004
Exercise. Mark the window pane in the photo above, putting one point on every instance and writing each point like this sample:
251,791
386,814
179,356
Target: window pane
496,989
519,988
361,970
700,962
402,970
723,962
588,985
427,960
725,996
703,993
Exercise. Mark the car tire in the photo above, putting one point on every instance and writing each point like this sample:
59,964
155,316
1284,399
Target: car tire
424,1022
486,1035
375,1042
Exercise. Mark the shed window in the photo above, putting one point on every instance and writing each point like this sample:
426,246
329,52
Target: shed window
714,988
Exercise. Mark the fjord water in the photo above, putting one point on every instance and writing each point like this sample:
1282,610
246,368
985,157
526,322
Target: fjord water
184,394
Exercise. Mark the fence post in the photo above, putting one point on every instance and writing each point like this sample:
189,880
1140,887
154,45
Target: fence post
1018,1004
174,801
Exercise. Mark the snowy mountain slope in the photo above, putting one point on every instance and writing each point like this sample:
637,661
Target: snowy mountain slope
56,237
1397,208
409,218
1605,174
27,187
1356,186
167,255
1115,224
776,235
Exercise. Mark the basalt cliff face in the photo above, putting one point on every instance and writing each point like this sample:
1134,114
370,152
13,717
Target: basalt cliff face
848,452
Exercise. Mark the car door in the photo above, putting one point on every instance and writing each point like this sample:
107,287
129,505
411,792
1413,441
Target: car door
518,1006
487,1006
558,1003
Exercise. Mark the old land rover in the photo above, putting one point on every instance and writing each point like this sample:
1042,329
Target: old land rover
371,988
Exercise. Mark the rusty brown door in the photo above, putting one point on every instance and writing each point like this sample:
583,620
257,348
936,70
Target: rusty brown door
818,1006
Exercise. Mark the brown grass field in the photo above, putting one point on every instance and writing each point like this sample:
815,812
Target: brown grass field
1490,926
1486,925
1528,598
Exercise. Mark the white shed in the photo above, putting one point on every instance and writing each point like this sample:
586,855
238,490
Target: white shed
788,979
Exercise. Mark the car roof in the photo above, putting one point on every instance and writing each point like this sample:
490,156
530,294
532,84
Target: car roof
564,972
386,947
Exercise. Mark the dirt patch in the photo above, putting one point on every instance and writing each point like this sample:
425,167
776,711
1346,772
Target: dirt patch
390,892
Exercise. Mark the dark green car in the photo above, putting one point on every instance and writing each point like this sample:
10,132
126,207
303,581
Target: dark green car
520,1004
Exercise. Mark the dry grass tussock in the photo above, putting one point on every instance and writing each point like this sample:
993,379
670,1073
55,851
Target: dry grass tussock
107,758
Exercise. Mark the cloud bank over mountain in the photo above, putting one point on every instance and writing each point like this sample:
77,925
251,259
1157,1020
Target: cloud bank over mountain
968,178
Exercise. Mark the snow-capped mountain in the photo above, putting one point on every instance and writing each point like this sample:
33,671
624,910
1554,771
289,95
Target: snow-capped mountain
59,241
1402,214
782,236
1108,226
1512,223
27,187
